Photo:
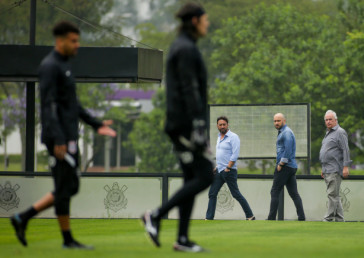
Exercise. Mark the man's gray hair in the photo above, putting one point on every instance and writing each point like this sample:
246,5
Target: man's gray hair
331,112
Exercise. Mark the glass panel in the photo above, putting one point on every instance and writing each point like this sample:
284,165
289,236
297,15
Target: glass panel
12,120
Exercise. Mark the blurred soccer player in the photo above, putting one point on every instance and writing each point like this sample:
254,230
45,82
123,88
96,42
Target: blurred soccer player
186,124
286,168
60,113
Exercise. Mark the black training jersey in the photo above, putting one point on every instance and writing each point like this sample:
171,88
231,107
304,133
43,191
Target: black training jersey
186,86
60,108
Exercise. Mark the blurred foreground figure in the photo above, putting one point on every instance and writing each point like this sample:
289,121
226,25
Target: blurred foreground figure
186,124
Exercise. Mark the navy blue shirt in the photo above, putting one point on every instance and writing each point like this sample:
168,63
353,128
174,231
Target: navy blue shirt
286,147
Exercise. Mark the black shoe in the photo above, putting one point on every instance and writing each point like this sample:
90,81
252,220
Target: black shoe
188,247
251,218
76,245
19,227
151,225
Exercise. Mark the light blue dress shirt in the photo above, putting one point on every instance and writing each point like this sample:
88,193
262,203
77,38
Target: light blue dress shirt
227,150
286,147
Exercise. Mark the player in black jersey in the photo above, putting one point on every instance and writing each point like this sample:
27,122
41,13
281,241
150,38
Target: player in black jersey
60,113
186,124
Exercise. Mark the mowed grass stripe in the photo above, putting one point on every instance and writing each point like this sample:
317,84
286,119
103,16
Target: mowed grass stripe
126,238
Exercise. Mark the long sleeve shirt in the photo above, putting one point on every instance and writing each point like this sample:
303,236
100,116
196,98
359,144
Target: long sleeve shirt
186,79
227,150
286,147
335,153
60,108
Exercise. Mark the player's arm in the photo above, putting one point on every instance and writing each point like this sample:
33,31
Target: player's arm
87,118
101,127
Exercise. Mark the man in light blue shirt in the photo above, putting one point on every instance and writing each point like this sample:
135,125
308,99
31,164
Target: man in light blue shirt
286,168
227,153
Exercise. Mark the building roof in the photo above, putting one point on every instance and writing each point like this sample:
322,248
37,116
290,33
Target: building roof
133,94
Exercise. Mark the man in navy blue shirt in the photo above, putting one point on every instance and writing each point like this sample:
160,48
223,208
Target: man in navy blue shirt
286,168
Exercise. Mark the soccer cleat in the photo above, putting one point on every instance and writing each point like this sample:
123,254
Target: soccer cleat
19,227
188,247
152,227
251,218
76,245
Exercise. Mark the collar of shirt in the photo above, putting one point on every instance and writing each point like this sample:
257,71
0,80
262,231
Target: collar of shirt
228,133
332,129
282,129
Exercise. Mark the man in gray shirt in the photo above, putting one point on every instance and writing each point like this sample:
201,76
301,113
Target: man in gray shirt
335,161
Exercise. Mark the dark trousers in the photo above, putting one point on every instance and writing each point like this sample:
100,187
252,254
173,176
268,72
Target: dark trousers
230,178
198,175
66,180
285,177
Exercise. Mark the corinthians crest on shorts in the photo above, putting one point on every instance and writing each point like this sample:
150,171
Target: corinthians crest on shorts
8,196
115,199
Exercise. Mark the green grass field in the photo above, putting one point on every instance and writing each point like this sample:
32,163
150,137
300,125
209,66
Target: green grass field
125,238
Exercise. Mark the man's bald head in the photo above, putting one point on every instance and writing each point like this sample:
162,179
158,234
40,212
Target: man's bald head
280,115
279,120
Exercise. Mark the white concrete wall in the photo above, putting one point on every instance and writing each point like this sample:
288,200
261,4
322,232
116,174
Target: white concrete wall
130,197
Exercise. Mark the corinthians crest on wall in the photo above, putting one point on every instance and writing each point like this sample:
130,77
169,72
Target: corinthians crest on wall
8,196
225,201
344,199
115,199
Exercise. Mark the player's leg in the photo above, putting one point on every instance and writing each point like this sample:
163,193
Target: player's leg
185,209
201,181
279,180
231,179
213,192
293,192
20,220
201,168
66,185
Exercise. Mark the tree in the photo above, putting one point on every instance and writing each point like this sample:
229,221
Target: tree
150,142
276,54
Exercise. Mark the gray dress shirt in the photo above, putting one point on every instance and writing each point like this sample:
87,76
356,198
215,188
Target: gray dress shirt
334,153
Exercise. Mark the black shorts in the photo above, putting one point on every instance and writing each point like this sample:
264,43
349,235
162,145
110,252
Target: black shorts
66,177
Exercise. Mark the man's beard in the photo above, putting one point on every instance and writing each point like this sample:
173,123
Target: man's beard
223,131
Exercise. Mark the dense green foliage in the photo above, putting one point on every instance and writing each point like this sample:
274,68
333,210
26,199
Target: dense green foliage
288,52
257,51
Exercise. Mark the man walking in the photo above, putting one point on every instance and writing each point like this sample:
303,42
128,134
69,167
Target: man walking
186,124
335,161
286,168
60,113
227,153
